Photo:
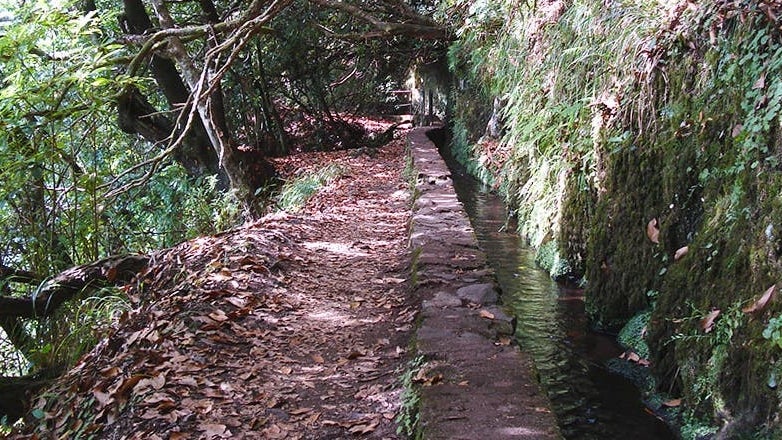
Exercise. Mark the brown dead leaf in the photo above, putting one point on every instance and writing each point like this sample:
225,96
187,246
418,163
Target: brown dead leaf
123,392
317,358
364,428
274,432
158,381
737,130
633,357
354,354
111,274
681,252
760,83
187,381
102,398
218,315
237,301
762,302
673,403
707,323
486,314
109,372
211,430
503,341
394,280
652,231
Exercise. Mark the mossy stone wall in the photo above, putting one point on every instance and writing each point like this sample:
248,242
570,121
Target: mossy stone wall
622,115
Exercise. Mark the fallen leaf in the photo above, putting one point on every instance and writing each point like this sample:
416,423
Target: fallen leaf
394,280
111,274
760,83
681,252
124,390
236,301
158,381
365,428
102,398
673,403
737,130
486,314
109,372
354,354
762,302
633,357
503,341
213,429
707,323
652,231
317,358
187,381
218,315
274,432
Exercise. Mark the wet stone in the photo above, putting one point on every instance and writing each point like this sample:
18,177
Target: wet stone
483,293
443,300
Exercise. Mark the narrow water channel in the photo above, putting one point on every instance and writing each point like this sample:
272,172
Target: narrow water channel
589,401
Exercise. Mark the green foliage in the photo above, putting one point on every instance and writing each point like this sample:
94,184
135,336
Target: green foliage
773,331
633,334
695,429
62,152
615,115
294,194
77,327
548,258
550,73
408,417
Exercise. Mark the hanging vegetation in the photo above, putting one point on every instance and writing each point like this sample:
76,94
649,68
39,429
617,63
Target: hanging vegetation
642,139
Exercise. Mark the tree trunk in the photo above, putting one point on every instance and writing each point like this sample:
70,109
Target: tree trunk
243,170
15,392
196,153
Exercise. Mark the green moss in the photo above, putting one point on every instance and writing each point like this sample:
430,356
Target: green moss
408,417
633,334
694,143
547,257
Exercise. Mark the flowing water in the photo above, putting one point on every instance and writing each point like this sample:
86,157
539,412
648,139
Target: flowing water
589,401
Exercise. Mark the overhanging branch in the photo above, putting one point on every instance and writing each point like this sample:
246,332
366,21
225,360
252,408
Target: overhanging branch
52,294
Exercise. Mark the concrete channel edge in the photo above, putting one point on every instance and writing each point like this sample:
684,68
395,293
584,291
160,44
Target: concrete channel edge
475,383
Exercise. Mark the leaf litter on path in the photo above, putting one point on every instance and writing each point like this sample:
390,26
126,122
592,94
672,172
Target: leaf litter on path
290,327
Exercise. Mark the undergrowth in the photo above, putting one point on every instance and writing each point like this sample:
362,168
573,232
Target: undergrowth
294,194
408,417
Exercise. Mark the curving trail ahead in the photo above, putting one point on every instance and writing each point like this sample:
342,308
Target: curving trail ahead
293,327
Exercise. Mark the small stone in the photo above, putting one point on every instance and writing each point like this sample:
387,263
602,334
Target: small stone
502,324
478,294
443,300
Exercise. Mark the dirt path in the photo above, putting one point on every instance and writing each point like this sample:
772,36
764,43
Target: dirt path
294,327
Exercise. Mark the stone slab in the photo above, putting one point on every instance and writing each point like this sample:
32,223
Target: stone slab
488,388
